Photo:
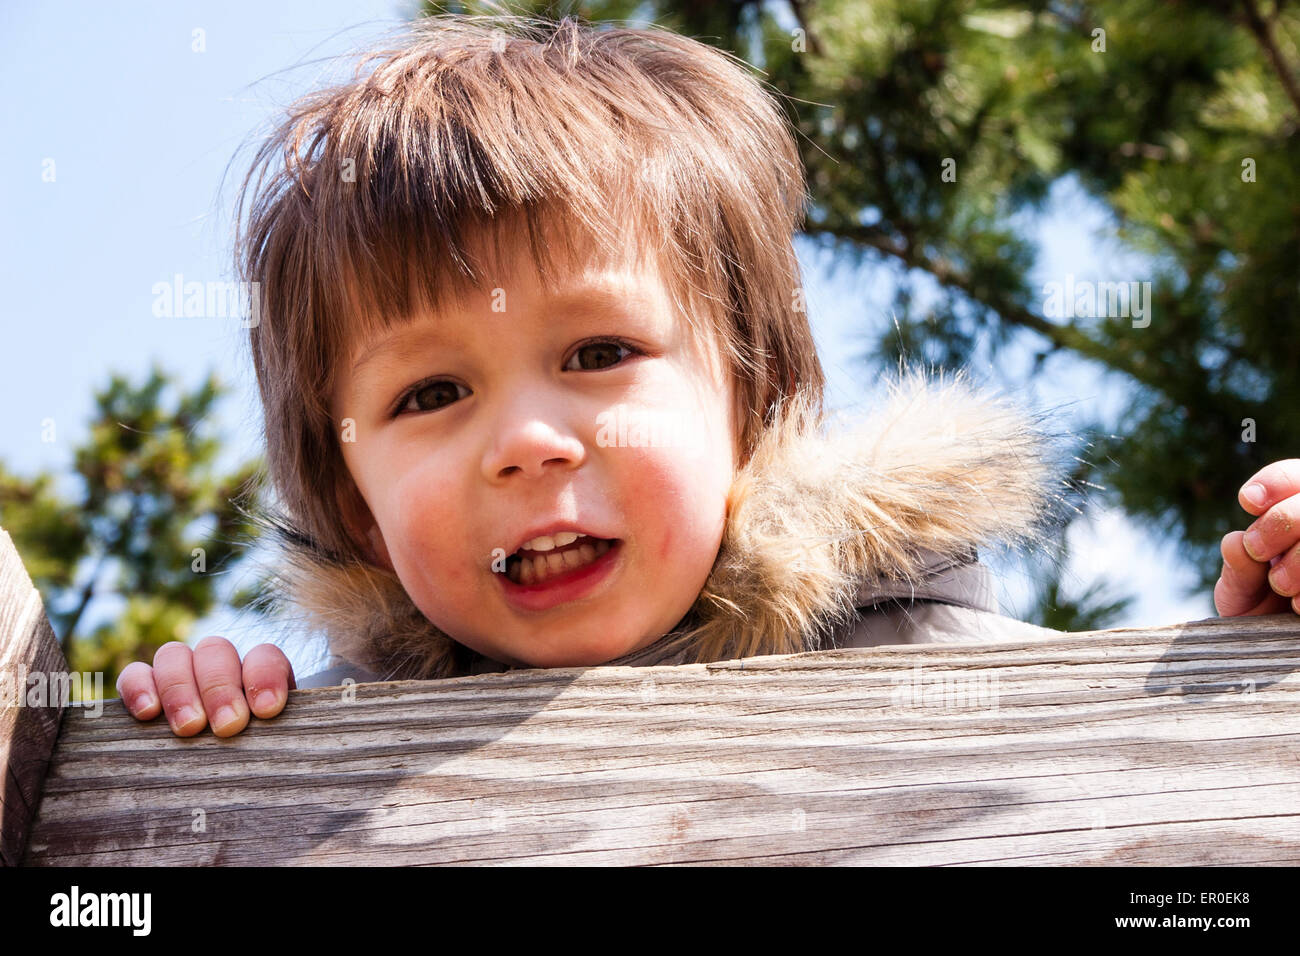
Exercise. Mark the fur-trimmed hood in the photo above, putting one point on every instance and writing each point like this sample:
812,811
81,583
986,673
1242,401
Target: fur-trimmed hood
821,522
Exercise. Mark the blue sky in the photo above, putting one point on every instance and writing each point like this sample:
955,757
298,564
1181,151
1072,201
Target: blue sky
140,128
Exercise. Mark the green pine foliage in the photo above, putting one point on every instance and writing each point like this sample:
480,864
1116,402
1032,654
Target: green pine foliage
151,525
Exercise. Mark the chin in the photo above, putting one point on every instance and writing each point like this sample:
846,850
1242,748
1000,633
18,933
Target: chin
576,659
578,656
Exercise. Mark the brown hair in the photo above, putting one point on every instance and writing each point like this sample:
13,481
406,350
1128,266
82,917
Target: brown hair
370,198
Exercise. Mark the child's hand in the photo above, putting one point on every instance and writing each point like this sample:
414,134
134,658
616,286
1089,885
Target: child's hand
207,680
1261,568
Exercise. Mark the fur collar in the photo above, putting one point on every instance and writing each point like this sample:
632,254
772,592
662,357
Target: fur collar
819,521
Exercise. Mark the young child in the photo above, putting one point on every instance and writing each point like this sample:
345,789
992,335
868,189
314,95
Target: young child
581,240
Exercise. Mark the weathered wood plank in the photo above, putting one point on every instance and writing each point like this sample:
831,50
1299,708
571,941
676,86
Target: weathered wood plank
1172,745
27,733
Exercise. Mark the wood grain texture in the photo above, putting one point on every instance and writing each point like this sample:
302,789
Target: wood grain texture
27,733
1171,745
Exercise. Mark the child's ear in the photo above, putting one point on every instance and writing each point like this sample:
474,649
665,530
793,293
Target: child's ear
362,528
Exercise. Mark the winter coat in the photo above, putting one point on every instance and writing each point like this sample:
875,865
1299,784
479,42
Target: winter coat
857,535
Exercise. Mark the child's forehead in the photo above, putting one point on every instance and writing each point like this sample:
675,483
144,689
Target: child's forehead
594,294
631,267
629,280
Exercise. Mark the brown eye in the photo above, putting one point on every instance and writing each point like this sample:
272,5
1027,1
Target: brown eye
433,396
598,355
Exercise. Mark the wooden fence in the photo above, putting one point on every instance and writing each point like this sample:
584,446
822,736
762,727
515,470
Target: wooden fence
1167,745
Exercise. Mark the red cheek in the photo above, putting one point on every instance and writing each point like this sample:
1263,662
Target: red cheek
666,546
662,487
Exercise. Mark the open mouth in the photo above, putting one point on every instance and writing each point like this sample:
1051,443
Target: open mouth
548,559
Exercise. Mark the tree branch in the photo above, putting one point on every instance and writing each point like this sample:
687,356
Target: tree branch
1264,37
800,10
1061,336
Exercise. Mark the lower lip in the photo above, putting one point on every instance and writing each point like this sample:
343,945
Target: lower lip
569,586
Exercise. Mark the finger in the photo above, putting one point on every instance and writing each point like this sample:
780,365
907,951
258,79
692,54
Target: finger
268,677
136,688
1274,531
173,674
220,678
1284,575
1230,605
1269,485
1235,556
1243,582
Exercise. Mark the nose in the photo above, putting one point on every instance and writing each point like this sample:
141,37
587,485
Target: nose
530,443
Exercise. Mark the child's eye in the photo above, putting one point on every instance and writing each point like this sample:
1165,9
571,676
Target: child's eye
592,357
602,353
433,393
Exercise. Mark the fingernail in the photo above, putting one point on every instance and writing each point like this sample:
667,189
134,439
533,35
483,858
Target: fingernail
141,702
266,700
225,716
1255,493
1280,579
1253,542
186,716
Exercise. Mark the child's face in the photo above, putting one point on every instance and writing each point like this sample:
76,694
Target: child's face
522,424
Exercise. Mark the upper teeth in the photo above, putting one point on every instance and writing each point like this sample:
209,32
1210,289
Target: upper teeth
546,543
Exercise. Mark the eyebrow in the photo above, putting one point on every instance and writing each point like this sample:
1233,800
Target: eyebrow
588,300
